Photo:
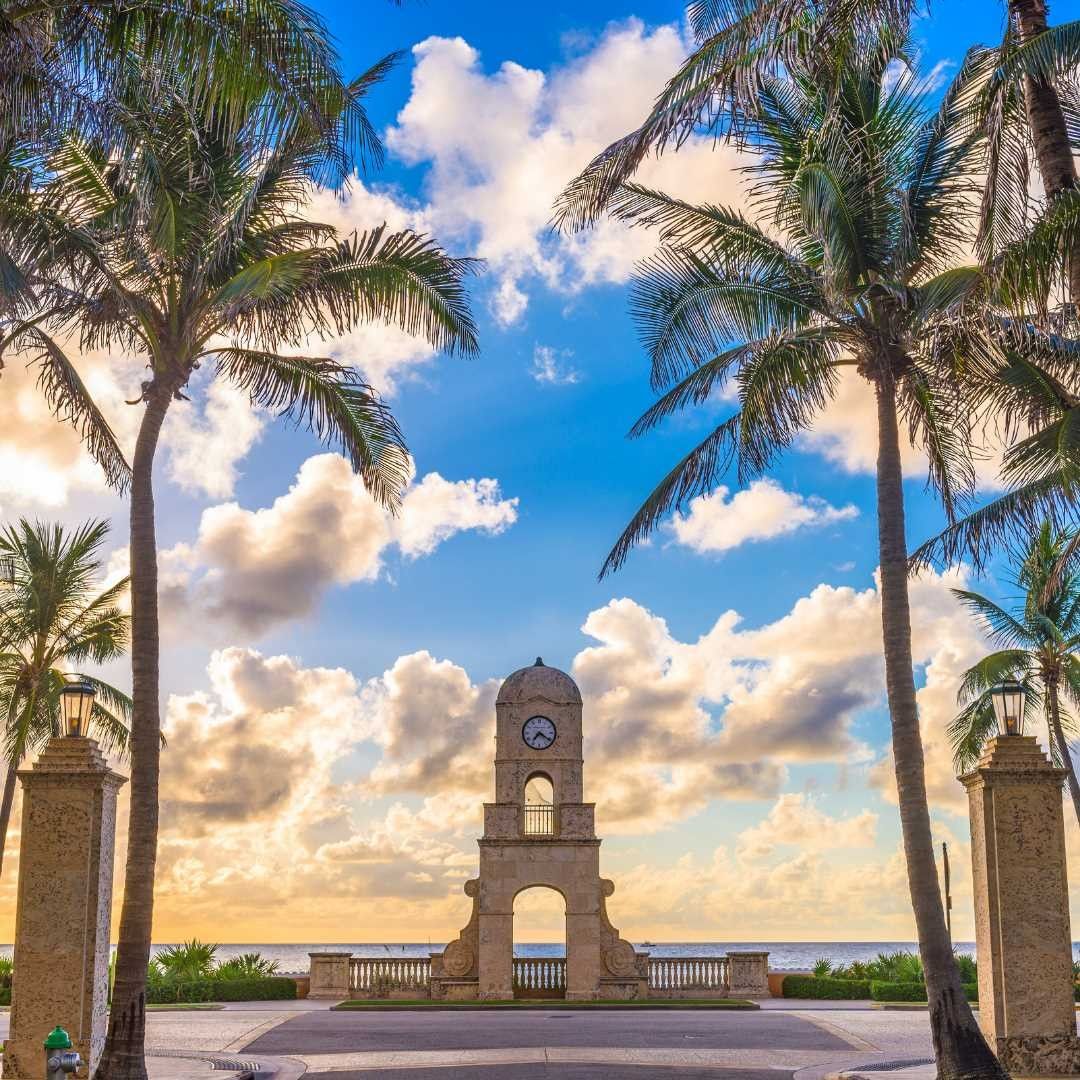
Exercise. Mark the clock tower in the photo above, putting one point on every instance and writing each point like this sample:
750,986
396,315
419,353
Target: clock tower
539,831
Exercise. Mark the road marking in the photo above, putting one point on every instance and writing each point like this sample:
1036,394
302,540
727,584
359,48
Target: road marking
779,1060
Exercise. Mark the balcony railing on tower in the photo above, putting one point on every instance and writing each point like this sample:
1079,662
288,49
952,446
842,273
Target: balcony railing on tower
539,819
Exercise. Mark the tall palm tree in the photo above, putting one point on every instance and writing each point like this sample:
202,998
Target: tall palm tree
190,251
1026,107
53,619
1038,640
872,198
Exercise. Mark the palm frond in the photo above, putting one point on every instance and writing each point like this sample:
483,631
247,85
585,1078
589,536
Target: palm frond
332,401
696,474
70,401
1002,626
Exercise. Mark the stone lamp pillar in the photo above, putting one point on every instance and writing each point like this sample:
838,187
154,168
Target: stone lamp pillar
64,904
1022,908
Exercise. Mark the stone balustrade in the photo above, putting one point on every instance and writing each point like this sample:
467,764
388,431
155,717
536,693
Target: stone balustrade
339,975
386,977
688,976
539,976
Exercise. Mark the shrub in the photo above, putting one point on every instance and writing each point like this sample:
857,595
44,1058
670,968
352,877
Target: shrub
200,990
5,995
911,991
249,965
968,971
897,991
811,986
822,967
189,962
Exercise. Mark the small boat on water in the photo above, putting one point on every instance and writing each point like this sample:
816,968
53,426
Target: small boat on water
647,943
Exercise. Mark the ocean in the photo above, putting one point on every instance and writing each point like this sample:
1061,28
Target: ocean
783,955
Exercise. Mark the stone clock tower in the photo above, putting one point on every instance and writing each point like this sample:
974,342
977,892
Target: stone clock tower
539,831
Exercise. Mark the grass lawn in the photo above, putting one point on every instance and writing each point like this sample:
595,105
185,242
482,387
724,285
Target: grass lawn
550,1003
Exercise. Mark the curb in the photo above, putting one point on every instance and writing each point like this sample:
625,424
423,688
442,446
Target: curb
555,1004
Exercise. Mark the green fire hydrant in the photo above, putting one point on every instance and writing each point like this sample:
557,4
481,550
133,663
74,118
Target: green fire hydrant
60,1059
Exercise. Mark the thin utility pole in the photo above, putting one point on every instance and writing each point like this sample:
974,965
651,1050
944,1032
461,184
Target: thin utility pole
948,889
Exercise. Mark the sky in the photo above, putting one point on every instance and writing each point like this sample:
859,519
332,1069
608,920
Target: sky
329,672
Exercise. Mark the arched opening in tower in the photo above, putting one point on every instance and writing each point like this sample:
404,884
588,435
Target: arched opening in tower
539,943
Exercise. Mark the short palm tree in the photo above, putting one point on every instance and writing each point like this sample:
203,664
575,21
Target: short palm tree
872,198
53,620
191,251
1038,640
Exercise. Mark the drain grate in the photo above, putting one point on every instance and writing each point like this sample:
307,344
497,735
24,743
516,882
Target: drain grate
889,1066
218,1063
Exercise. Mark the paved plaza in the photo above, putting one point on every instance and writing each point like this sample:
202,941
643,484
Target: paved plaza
800,1041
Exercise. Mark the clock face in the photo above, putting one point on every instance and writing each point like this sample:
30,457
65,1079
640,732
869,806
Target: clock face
538,732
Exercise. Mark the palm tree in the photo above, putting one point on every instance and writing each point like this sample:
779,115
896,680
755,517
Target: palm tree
53,619
1025,108
1038,639
741,47
66,66
872,198
191,250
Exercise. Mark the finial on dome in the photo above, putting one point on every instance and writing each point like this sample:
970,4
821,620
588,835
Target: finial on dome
539,662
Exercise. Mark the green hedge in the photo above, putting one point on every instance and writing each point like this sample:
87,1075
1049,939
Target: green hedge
810,986
897,991
5,995
911,991
272,989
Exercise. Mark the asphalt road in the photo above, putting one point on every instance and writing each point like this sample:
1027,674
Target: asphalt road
344,1032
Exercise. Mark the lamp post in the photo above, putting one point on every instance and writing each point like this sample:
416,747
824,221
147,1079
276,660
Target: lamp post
1008,701
76,703
61,971
1021,898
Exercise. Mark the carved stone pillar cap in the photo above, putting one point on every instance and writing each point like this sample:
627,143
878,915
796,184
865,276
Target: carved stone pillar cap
1013,758
73,757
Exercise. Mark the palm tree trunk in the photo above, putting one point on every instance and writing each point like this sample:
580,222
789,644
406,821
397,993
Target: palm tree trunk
959,1046
124,1054
1049,133
5,810
1062,743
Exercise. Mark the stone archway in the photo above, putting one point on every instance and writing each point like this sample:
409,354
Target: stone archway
537,909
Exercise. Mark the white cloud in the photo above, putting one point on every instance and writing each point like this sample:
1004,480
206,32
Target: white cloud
501,146
371,811
435,509
254,569
760,512
205,446
550,365
42,461
795,821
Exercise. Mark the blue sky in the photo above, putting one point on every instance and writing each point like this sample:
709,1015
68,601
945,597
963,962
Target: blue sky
340,687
